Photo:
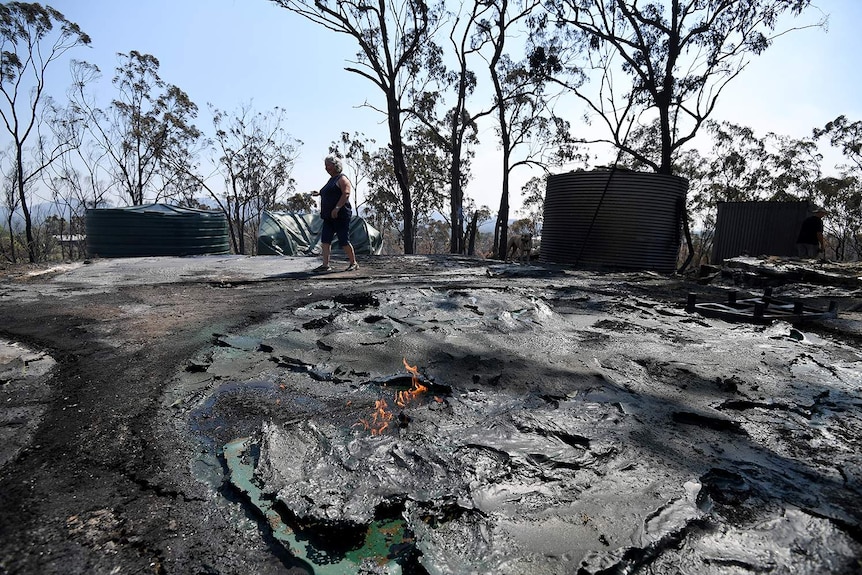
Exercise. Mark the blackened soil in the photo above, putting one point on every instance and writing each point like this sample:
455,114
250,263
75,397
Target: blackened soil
105,485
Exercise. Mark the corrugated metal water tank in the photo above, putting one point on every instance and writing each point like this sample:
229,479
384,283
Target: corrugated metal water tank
613,219
155,230
757,228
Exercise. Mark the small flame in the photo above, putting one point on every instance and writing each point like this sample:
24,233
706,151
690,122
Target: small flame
381,416
379,420
402,398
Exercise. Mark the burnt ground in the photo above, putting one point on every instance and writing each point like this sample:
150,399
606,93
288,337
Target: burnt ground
575,421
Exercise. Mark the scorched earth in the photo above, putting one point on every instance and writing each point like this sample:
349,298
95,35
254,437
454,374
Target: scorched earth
423,415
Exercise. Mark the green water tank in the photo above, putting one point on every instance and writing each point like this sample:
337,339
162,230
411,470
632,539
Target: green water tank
156,230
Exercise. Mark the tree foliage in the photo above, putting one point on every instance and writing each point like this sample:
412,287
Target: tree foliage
147,132
354,150
430,164
446,112
743,166
667,61
847,137
394,39
32,37
529,131
534,203
254,158
296,204
520,105
842,196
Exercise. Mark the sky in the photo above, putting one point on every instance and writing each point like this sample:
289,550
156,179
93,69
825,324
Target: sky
231,53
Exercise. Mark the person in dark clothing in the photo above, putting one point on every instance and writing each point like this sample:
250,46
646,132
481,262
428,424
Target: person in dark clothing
810,241
336,211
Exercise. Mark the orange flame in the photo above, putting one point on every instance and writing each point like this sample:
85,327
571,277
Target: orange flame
379,420
402,398
381,416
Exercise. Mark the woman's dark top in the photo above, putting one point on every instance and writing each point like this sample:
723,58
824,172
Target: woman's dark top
329,196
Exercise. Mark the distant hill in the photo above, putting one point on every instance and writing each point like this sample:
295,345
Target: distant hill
38,213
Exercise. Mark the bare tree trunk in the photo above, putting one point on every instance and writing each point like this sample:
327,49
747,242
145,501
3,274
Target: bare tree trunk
503,215
399,165
28,222
471,234
13,257
683,215
456,241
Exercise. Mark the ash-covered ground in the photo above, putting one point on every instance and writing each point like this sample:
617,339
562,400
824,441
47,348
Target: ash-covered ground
434,415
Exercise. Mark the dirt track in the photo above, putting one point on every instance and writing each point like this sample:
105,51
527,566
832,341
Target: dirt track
100,474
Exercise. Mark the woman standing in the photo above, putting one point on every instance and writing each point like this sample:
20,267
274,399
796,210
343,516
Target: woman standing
336,212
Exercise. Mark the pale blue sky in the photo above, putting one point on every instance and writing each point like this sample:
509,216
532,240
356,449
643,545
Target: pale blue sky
231,52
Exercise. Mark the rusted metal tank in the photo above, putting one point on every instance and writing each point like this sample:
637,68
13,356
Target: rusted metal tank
613,219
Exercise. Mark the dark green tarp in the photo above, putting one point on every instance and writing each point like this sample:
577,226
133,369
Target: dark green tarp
289,234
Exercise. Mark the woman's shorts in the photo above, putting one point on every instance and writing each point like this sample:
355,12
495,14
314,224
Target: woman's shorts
339,227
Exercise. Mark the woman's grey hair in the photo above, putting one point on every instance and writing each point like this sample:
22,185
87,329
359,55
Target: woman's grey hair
334,161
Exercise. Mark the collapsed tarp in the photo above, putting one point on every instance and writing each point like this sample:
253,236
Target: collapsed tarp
289,234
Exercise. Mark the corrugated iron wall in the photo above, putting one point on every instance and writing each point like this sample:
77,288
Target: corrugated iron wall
614,219
757,229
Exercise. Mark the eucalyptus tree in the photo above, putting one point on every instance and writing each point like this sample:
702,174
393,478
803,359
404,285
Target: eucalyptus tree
533,204
701,209
847,137
842,198
433,236
76,179
382,205
355,152
254,156
75,187
147,132
665,60
431,165
445,111
301,203
843,195
11,201
529,132
746,166
475,217
795,166
32,38
395,43
740,165
733,167
461,127
425,158
737,171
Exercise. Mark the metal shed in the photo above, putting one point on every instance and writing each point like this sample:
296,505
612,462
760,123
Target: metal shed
757,228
